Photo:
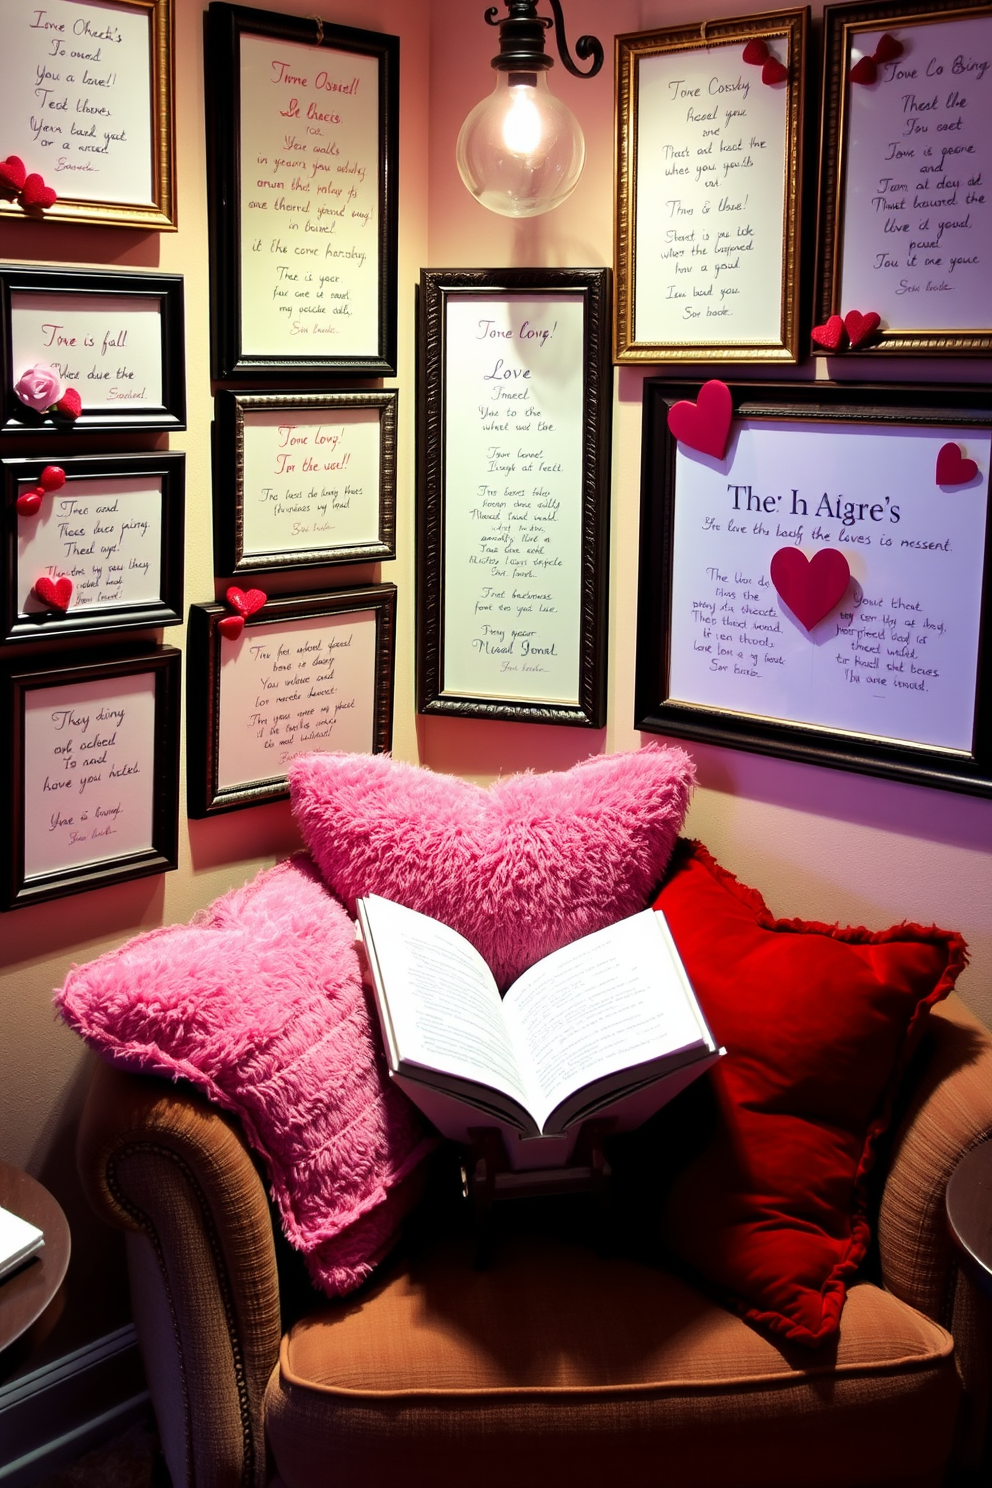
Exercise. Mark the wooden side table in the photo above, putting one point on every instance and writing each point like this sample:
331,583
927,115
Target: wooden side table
969,1214
25,1294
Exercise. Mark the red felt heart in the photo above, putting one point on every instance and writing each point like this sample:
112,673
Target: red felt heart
231,626
12,173
70,404
859,327
953,469
864,71
34,192
705,424
246,603
888,49
773,72
830,335
811,587
57,595
756,51
29,502
52,478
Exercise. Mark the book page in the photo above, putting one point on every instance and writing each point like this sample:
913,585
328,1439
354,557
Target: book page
605,1003
443,1004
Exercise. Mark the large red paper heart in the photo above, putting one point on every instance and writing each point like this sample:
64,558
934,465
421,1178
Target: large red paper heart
12,173
888,49
231,626
29,502
70,404
57,595
953,469
705,424
830,335
864,71
246,603
34,192
859,327
52,478
811,587
756,51
774,71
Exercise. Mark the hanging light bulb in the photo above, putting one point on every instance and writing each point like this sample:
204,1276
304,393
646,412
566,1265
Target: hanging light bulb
520,151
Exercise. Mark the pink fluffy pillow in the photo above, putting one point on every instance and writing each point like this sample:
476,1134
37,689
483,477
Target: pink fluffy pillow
520,869
259,1004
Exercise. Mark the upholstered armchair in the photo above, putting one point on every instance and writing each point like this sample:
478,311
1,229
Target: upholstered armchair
557,1364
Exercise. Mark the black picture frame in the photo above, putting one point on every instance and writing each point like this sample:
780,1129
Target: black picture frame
50,626
86,292
232,358
586,494
208,794
71,676
672,553
374,537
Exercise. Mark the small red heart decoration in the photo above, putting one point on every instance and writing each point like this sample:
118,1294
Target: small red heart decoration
830,335
52,478
29,502
57,595
231,626
34,192
888,49
12,173
246,603
811,587
859,327
864,71
773,72
756,51
705,424
70,404
953,469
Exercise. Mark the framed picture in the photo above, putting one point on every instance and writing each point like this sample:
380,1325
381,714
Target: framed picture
514,470
904,264
91,351
820,590
88,113
92,544
304,120
91,762
307,672
709,178
303,479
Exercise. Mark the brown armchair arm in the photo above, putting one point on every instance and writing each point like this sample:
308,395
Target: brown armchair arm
174,1173
949,1112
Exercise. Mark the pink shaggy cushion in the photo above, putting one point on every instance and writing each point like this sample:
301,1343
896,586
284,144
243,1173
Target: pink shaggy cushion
520,869
259,1004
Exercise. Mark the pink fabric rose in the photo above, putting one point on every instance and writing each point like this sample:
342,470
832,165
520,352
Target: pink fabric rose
39,387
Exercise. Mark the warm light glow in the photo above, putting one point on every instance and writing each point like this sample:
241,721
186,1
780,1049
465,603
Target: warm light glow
520,151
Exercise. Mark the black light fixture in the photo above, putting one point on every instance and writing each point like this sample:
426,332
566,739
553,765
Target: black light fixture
520,151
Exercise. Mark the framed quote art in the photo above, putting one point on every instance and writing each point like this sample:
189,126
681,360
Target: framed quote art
304,673
92,351
92,544
91,763
304,120
818,589
304,478
88,121
514,469
710,142
905,226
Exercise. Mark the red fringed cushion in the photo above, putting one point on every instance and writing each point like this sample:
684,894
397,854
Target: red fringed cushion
819,1023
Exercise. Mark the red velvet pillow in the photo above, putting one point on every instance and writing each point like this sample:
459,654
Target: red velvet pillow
819,1023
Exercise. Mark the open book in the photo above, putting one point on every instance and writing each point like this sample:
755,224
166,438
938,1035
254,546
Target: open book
606,1026
18,1241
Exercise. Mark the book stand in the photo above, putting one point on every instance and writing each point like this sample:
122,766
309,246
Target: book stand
487,1179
